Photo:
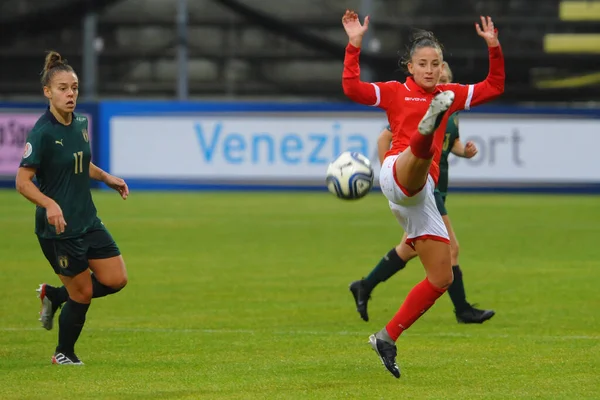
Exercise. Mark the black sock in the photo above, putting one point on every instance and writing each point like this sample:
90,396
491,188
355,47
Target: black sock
57,295
100,289
70,324
387,266
457,291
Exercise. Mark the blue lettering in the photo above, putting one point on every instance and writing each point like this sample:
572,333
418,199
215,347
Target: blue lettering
208,150
359,144
319,140
290,144
336,141
256,140
231,144
266,148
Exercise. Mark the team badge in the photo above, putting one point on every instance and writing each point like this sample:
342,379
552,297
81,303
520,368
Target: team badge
28,150
63,261
86,137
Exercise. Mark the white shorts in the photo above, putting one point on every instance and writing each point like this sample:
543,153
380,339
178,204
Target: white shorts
417,213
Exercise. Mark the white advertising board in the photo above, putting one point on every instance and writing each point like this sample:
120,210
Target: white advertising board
512,149
528,150
236,147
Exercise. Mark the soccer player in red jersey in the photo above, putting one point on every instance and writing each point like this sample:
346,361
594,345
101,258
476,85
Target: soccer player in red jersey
418,112
397,258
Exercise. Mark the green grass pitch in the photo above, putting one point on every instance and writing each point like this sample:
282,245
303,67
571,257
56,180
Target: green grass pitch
245,296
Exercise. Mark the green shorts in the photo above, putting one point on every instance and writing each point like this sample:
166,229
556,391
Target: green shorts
440,202
69,257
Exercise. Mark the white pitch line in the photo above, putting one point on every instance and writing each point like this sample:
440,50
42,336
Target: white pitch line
316,333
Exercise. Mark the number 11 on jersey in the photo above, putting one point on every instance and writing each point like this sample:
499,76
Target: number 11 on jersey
78,162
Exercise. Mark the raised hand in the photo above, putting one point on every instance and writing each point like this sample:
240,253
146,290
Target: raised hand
487,31
354,29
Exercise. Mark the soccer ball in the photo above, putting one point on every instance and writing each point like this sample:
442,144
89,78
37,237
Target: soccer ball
350,176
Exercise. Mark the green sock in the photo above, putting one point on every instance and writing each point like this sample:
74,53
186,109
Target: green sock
57,295
70,324
456,291
387,266
100,289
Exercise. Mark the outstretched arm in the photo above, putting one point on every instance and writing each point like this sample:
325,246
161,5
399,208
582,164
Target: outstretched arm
493,85
378,94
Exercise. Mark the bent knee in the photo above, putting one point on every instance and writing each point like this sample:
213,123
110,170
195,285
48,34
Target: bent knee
123,282
443,282
120,282
82,295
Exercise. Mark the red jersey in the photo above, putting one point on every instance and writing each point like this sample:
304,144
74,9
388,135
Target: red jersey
406,103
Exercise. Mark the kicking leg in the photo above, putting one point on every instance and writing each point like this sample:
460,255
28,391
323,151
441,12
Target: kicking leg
412,167
109,275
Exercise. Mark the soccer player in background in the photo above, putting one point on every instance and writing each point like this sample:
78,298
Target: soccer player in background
418,112
71,236
396,258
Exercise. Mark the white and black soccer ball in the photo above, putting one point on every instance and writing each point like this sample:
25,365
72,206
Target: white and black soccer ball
350,176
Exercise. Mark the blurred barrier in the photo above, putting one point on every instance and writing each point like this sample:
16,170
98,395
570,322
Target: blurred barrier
16,120
254,146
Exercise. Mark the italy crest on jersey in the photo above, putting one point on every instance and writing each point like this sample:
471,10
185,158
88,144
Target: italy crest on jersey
86,137
63,261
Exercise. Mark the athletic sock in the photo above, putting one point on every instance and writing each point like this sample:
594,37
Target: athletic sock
457,291
57,295
387,267
100,289
70,324
421,145
419,300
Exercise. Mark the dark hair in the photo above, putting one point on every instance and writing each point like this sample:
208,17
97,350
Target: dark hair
53,64
420,38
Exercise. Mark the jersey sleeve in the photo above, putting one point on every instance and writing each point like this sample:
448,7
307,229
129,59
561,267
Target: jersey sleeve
34,150
377,94
467,96
452,127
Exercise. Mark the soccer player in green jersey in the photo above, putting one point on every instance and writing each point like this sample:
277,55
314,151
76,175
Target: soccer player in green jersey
73,239
396,258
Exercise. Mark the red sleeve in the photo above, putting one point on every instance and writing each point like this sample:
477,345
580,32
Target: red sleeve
467,96
378,94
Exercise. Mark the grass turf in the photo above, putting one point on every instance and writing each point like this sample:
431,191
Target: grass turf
244,296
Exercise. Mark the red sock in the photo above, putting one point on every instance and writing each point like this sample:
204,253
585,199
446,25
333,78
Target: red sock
419,300
421,145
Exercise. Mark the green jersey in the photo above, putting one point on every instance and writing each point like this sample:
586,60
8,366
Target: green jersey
449,139
61,156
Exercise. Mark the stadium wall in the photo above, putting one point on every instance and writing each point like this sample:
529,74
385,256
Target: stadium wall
287,146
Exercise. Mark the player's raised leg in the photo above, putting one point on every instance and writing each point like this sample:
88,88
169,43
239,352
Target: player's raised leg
412,165
52,298
109,277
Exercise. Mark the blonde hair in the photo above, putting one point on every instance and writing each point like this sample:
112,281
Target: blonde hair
448,71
